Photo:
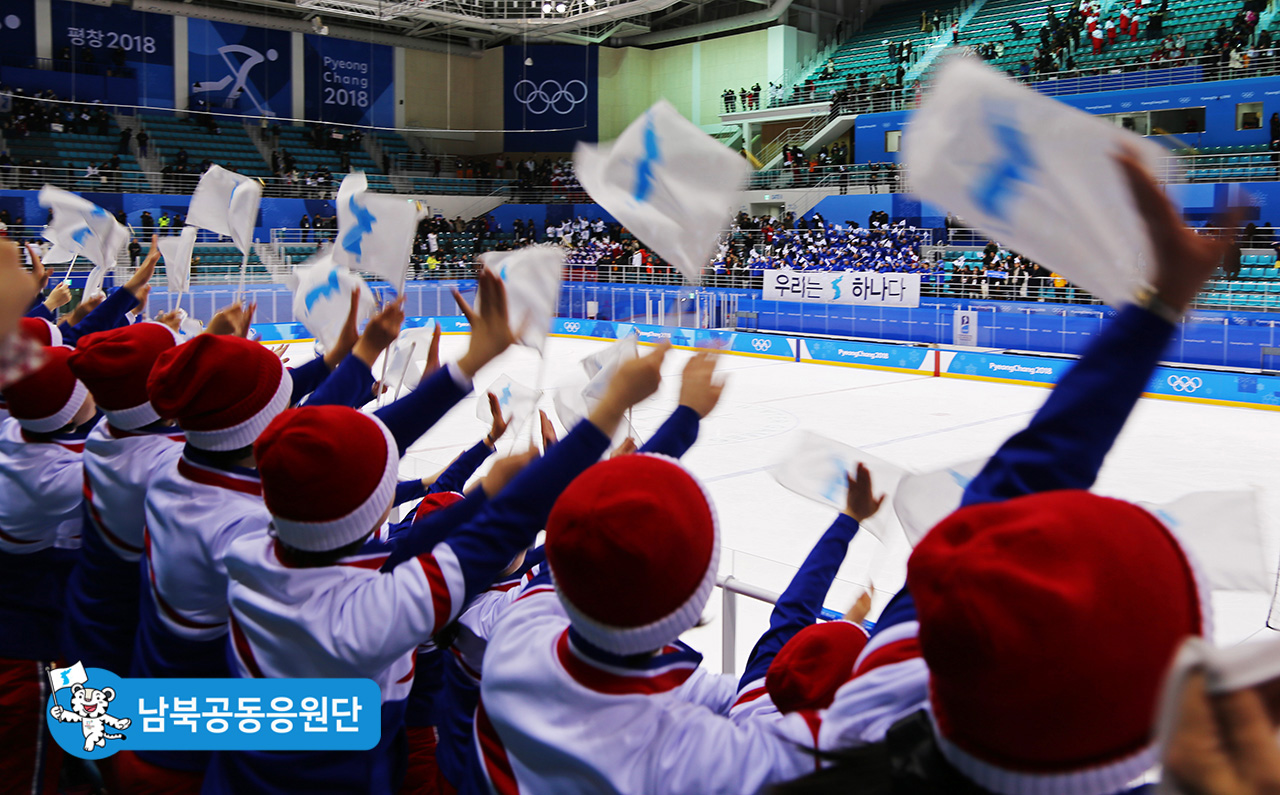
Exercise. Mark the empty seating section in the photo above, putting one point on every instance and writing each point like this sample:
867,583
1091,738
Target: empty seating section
1228,163
231,148
213,259
75,153
866,53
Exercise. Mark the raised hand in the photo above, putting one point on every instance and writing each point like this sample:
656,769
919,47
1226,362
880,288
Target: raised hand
499,426
83,308
490,327
548,430
433,353
234,320
37,266
171,319
17,288
382,330
142,296
58,296
627,447
634,381
348,337
700,390
146,270
860,503
1222,744
1184,260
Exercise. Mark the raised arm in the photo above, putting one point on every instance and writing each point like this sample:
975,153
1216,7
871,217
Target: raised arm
1064,445
699,393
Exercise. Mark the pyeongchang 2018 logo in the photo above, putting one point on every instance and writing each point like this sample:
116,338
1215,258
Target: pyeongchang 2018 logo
1183,383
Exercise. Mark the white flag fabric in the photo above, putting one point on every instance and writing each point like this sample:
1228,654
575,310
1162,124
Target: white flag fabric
602,366
407,359
176,251
925,498
93,283
375,231
669,183
60,678
816,467
1032,173
517,401
227,203
572,406
79,227
322,299
532,278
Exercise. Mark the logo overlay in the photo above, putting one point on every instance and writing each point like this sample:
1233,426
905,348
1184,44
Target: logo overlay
549,95
92,713
1183,383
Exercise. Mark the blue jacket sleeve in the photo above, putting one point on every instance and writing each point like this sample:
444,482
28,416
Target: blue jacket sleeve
410,538
108,315
456,475
800,603
350,384
38,309
512,519
409,490
306,378
412,415
1065,443
676,435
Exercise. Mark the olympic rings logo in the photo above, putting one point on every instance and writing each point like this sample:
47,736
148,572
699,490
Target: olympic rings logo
548,95
762,345
572,327
1182,383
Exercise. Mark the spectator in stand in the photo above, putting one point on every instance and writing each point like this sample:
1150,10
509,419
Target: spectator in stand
142,139
126,135
1018,31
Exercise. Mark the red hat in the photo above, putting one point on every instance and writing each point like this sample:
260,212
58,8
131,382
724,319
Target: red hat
328,475
222,390
813,665
633,546
434,502
114,365
47,399
1048,623
40,330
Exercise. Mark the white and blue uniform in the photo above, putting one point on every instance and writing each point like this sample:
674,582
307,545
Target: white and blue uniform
102,597
41,487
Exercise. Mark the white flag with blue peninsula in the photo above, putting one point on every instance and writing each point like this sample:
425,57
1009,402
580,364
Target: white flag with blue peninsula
1005,158
176,250
82,228
670,184
532,279
226,203
516,401
322,299
375,231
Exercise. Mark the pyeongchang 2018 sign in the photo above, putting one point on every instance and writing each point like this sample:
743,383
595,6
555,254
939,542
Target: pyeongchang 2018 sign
863,288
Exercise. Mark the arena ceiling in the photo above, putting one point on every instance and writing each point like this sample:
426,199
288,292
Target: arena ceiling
479,24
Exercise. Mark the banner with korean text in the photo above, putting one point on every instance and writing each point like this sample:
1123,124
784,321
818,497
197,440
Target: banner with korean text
864,288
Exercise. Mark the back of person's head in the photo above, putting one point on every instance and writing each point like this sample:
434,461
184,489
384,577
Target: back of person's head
812,666
328,476
1047,623
48,398
115,365
633,546
222,390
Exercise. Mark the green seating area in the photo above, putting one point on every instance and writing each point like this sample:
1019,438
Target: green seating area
310,158
72,154
232,148
213,259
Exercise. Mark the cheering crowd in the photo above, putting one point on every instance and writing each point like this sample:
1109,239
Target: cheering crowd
170,507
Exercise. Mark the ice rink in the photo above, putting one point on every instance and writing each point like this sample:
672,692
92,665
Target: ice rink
1167,450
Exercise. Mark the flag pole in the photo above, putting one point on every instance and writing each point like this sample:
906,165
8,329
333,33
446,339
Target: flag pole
403,370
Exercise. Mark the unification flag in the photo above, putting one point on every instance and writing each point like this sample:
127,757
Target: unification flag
322,299
79,227
669,183
176,251
532,279
1034,174
375,231
60,678
226,203
517,401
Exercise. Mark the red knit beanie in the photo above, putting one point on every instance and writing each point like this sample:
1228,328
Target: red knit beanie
115,365
633,546
40,330
48,398
222,390
328,474
813,665
1047,623
435,502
